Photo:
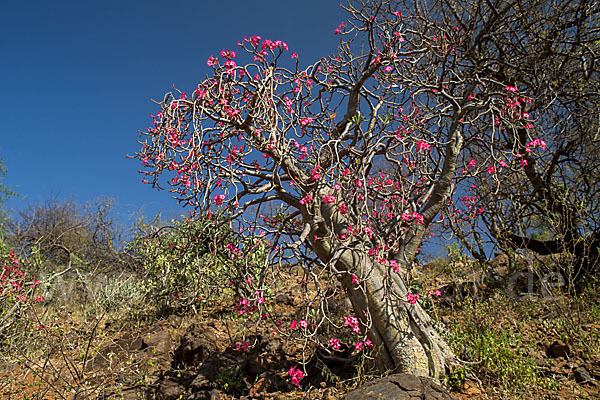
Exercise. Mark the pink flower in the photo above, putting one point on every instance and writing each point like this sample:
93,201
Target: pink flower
339,28
296,375
294,55
228,54
328,199
315,174
395,266
306,199
293,324
303,323
412,298
255,40
511,89
306,121
212,61
218,200
523,162
491,169
334,343
422,145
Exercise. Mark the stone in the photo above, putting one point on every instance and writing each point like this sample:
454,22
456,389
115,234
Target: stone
558,350
205,395
213,365
581,375
400,387
169,390
196,345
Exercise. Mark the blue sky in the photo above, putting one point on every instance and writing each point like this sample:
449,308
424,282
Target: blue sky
78,76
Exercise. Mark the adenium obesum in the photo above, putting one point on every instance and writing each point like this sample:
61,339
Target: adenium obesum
343,168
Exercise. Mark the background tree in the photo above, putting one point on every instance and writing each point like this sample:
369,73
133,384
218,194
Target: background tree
59,232
549,52
291,156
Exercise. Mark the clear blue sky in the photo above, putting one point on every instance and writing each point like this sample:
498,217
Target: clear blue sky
77,79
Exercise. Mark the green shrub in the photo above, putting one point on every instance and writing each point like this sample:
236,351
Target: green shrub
193,260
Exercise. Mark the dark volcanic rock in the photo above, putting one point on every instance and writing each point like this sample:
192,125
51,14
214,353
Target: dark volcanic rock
400,387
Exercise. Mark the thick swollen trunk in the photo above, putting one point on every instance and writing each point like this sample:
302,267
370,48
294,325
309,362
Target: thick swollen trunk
403,332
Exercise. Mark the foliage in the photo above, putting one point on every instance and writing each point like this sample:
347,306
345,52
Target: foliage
16,291
496,355
192,260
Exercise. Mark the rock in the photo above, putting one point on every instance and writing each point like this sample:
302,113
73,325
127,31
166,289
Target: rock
197,344
581,375
400,387
268,356
261,386
284,299
216,363
205,395
159,341
558,350
169,390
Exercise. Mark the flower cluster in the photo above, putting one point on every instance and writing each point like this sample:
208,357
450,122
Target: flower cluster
413,298
353,322
296,375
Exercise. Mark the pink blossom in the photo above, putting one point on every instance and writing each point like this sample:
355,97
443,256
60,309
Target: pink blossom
315,174
305,121
395,266
511,89
422,145
212,61
306,199
255,40
334,343
296,375
218,200
491,169
413,298
228,54
339,28
328,199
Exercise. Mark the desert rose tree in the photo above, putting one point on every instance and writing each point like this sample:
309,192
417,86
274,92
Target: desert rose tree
296,157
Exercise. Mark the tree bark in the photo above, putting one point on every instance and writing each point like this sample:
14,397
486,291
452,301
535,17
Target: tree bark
404,333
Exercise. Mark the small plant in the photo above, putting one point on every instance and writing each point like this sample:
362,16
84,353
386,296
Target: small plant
229,380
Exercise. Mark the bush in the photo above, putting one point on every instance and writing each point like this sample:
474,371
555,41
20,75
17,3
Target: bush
191,260
56,233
